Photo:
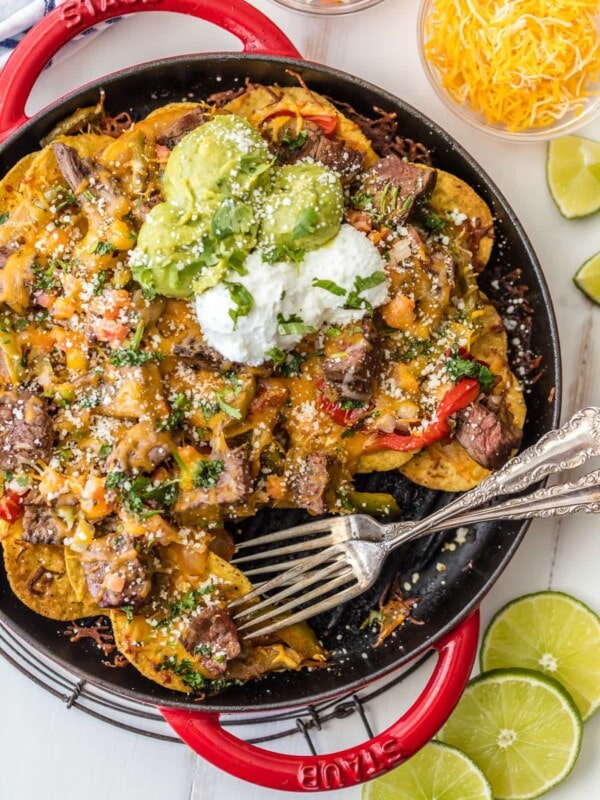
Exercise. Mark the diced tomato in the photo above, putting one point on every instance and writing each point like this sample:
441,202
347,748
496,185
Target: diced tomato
455,399
11,506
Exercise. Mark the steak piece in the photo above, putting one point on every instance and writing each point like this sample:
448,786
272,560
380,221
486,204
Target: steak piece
229,485
201,355
309,484
349,371
487,432
331,153
189,122
26,432
114,572
42,525
6,252
84,177
213,638
391,187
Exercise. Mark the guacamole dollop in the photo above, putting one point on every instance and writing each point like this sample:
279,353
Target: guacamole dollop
224,197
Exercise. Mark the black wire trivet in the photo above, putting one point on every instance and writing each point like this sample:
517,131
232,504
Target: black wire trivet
104,705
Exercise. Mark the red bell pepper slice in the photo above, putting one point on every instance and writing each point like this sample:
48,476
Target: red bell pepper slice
455,399
327,122
11,506
347,417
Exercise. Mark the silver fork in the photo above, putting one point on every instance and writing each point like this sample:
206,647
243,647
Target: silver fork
362,544
565,448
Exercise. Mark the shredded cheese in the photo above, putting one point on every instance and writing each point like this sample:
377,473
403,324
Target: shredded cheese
521,63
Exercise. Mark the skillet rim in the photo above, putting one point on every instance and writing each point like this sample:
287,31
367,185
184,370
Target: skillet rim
54,112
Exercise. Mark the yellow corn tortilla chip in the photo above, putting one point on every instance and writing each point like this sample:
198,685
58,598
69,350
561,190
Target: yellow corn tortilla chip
78,583
152,649
260,103
446,466
453,195
37,574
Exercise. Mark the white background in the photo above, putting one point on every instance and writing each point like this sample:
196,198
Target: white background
51,753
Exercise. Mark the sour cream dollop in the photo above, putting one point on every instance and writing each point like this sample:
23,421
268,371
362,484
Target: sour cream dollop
284,292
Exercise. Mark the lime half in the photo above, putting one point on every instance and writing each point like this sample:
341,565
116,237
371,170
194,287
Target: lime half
587,278
573,174
551,632
521,728
437,772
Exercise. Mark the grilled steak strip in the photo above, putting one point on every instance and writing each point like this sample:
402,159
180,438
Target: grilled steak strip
201,355
487,431
309,484
114,572
391,187
331,153
77,172
26,432
351,377
42,525
189,122
213,638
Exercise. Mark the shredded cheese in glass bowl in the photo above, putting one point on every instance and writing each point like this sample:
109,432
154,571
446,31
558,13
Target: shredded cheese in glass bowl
519,69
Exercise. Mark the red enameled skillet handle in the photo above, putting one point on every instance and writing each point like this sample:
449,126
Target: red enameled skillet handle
203,733
256,32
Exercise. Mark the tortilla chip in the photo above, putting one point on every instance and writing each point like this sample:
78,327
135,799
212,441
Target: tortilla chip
451,194
258,105
152,649
78,583
37,574
446,466
383,461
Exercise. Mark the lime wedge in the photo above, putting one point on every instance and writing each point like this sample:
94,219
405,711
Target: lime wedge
551,632
573,174
587,278
520,727
437,772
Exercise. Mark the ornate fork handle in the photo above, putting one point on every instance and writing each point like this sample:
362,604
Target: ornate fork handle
564,448
568,498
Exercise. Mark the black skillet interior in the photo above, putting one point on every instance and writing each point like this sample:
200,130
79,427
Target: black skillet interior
445,597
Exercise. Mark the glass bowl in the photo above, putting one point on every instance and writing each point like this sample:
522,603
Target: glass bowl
328,6
571,121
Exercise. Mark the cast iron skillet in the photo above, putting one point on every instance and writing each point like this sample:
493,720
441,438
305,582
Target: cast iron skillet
448,599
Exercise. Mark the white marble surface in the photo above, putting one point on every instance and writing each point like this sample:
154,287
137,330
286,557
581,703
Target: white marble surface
47,752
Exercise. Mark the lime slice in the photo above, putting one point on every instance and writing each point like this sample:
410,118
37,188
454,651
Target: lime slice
587,278
551,632
573,174
437,772
520,727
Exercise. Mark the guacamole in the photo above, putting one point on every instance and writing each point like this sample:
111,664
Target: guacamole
224,197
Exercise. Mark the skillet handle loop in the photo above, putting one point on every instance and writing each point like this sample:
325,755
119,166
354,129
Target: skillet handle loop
256,32
203,733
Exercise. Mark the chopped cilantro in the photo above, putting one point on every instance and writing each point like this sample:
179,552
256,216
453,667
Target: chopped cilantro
333,332
128,611
433,222
43,280
276,355
231,217
350,404
105,451
128,357
65,197
228,409
140,496
208,409
329,286
188,602
179,405
4,217
298,142
99,281
458,367
293,325
242,298
203,650
207,472
91,400
282,253
306,223
104,248
185,670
